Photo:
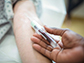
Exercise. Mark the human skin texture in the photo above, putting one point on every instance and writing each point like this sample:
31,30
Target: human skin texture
23,32
72,46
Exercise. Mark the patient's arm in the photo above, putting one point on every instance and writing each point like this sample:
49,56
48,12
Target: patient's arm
23,33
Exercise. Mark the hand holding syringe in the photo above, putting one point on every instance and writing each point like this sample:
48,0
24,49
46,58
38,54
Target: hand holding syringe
73,45
40,30
72,50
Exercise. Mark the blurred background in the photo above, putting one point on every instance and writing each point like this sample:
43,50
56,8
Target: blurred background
74,19
64,14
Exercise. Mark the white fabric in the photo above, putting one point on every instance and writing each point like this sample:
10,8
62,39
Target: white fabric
6,14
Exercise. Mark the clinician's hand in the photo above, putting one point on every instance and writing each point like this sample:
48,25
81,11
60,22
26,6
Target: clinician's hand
72,49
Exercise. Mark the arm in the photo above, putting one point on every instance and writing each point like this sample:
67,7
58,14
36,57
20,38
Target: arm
23,33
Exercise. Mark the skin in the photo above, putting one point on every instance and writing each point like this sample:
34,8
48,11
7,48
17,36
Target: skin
72,46
23,32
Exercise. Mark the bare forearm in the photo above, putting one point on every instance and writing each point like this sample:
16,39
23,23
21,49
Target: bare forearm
23,33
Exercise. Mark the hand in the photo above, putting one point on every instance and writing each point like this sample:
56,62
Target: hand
72,49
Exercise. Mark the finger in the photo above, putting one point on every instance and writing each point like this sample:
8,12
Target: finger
37,35
54,54
60,44
42,50
41,38
41,43
48,37
51,55
56,31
